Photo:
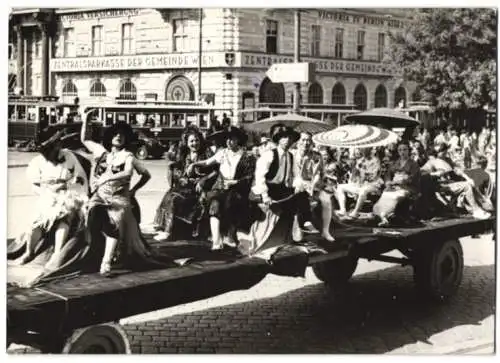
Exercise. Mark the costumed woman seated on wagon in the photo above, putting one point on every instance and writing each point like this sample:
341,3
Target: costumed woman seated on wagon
309,173
61,185
184,201
440,175
228,199
274,177
365,180
111,222
402,183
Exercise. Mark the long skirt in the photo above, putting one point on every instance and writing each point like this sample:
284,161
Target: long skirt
183,204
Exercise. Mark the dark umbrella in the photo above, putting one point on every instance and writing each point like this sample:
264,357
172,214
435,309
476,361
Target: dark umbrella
298,122
386,117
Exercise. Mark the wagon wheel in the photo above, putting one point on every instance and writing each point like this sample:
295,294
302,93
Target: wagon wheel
336,272
438,269
98,339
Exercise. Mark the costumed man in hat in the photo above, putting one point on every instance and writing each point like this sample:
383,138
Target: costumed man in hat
110,210
61,184
228,199
308,176
274,176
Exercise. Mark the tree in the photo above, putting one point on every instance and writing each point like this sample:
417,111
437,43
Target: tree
451,55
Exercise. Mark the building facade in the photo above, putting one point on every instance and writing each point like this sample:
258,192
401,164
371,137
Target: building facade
100,55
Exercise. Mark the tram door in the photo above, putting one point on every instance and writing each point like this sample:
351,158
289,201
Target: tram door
43,117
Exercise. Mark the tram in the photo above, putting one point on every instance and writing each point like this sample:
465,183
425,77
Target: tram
156,124
27,115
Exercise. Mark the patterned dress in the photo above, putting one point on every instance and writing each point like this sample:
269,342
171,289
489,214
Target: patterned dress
182,202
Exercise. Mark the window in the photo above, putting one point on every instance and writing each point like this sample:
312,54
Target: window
97,48
11,51
271,36
37,45
338,94
128,90
360,97
69,89
316,40
180,35
361,45
339,43
69,42
380,96
381,46
97,89
127,39
315,94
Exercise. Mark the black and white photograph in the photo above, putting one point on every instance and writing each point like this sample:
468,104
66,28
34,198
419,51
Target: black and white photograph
251,180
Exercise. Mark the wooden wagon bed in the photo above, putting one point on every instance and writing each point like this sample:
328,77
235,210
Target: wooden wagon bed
90,299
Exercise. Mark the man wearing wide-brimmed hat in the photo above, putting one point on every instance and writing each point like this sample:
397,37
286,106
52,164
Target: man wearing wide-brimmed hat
274,176
228,198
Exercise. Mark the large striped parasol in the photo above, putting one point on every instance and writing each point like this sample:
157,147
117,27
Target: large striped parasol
298,122
356,136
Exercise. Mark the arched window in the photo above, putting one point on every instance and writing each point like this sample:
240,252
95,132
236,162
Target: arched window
97,89
380,96
179,89
360,97
338,94
270,92
315,94
70,89
128,91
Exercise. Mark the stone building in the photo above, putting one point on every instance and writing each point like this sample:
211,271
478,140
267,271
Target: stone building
103,55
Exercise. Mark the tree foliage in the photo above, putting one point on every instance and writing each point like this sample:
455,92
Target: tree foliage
451,55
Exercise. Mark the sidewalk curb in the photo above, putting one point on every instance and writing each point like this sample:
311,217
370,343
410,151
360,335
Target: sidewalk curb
17,166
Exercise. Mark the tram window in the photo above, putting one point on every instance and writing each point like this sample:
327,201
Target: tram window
53,117
31,113
109,118
165,120
202,121
21,112
138,119
191,119
177,120
132,118
12,112
121,117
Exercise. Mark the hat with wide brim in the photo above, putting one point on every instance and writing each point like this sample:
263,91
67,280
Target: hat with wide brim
231,131
279,131
120,127
48,138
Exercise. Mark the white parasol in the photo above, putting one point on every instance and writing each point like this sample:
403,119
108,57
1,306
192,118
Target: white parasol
356,136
